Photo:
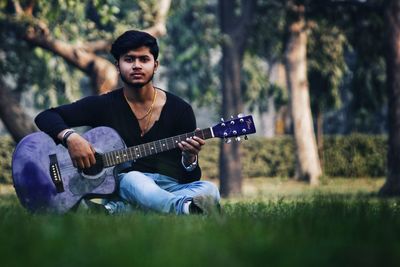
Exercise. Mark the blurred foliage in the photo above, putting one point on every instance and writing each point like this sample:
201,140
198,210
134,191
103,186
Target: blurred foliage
355,155
25,68
361,29
368,73
6,149
192,51
50,78
345,52
264,49
257,87
326,64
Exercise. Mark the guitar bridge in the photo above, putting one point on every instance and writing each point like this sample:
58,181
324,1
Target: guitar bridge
55,173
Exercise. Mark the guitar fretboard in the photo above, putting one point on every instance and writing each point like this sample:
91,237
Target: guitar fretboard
140,151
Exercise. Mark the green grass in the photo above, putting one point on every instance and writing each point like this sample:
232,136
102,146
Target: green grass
288,226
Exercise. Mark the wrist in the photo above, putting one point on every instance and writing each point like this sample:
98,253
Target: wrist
188,158
66,136
189,166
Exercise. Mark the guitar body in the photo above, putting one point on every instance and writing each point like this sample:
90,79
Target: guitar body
31,170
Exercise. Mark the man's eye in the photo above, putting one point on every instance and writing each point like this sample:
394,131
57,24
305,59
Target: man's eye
144,59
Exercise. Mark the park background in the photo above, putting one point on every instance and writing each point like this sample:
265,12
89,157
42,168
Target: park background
310,188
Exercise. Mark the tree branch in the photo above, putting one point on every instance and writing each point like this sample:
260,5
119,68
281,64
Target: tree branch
160,28
17,122
29,8
17,7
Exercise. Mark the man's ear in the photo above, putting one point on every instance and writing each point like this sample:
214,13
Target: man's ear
156,65
117,65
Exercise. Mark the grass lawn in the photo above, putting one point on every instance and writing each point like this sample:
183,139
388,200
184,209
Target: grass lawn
277,222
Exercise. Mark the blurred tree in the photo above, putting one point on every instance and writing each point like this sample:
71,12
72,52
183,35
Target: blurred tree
392,14
77,32
235,17
308,163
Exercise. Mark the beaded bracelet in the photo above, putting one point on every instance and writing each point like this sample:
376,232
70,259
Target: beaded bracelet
66,135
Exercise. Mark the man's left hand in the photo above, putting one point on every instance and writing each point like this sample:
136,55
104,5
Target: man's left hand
191,148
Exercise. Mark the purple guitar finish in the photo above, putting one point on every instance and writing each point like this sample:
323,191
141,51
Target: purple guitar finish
46,181
31,175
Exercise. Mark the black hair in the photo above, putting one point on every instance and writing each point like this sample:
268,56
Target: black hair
131,40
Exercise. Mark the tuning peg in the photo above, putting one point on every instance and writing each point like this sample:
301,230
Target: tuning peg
237,138
246,138
227,140
222,122
240,115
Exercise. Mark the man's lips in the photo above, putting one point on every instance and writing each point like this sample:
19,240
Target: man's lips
136,74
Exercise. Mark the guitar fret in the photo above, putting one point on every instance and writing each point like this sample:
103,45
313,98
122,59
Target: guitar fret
159,146
107,157
137,152
149,148
155,147
142,151
105,161
112,157
124,152
116,156
202,133
170,141
166,143
130,154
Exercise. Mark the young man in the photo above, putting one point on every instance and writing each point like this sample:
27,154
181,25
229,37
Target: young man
167,182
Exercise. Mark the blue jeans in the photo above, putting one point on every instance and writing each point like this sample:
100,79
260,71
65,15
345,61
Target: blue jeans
157,192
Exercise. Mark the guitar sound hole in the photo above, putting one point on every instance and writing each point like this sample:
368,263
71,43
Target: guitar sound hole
95,169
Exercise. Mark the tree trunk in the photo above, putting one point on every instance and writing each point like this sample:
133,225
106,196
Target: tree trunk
17,122
234,29
230,164
320,135
308,163
392,185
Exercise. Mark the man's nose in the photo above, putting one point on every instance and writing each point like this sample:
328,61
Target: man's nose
136,64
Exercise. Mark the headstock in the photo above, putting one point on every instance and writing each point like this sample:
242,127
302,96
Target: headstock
234,128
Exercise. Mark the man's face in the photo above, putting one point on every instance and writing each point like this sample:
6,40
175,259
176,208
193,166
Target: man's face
137,67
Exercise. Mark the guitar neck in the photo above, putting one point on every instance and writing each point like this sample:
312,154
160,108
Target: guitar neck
140,151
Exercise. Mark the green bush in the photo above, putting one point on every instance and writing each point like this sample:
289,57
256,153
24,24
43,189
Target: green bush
6,150
354,155
260,157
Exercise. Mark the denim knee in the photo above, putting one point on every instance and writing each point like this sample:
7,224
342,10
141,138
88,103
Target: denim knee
130,179
211,189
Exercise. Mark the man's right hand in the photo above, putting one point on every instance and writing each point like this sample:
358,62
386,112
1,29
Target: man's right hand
80,151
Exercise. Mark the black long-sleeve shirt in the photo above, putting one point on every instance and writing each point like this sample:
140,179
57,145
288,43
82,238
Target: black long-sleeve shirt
112,110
